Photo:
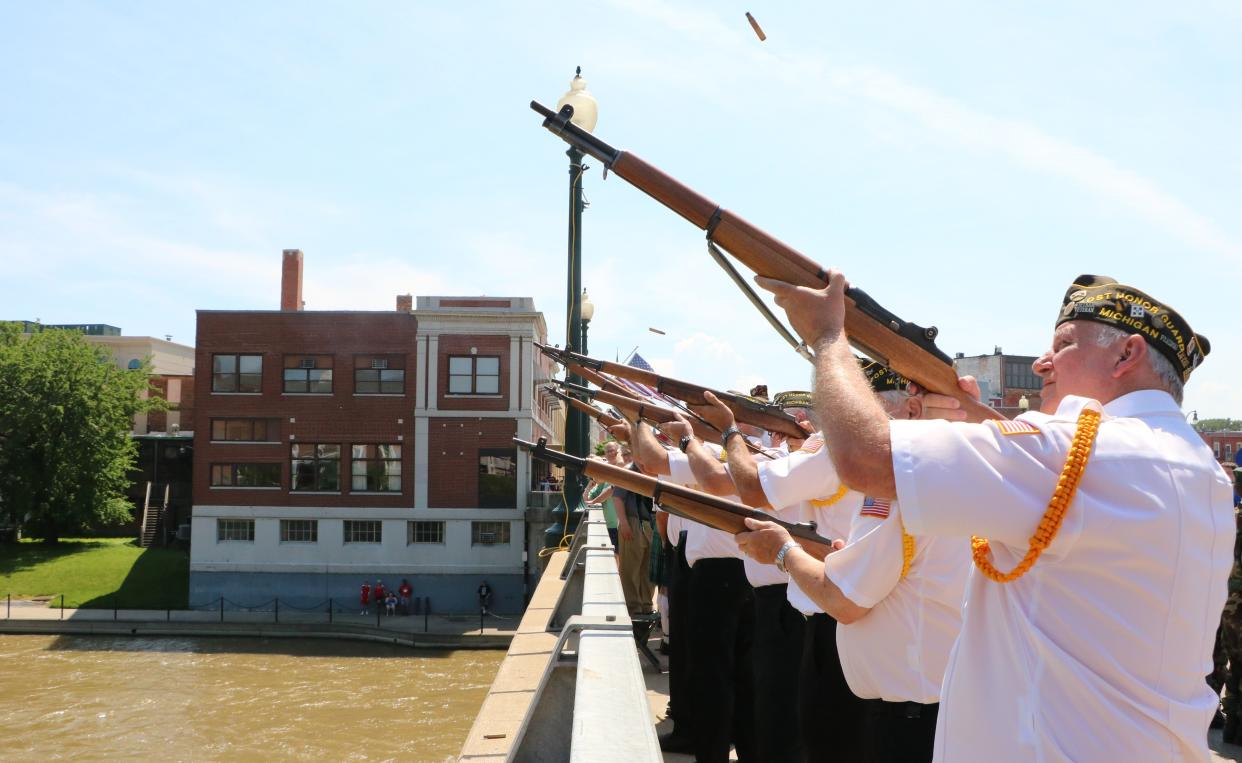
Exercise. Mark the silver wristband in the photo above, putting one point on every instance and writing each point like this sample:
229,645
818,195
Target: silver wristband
780,555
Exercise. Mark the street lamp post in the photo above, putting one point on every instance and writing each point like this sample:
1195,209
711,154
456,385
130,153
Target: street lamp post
585,113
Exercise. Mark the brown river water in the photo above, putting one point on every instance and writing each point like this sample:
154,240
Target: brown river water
97,698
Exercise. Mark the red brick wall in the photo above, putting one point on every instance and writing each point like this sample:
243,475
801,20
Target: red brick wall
453,457
340,417
1231,439
460,345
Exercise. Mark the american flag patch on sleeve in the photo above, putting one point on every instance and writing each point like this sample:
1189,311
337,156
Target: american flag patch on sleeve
813,443
874,507
1015,427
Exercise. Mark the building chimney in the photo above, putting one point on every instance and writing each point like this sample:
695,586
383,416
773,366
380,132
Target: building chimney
291,281
405,303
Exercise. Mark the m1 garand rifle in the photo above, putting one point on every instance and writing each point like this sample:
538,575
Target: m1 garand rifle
745,410
643,410
699,507
907,348
590,410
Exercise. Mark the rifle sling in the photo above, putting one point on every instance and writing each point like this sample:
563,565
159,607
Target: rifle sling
798,346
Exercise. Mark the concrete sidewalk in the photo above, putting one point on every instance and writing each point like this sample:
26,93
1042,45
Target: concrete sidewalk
436,630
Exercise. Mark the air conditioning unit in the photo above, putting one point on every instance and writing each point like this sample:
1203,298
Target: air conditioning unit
380,363
487,537
183,532
308,363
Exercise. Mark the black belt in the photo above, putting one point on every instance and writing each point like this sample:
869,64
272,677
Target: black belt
900,709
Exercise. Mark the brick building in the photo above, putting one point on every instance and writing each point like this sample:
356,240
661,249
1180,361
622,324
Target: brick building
1003,380
334,447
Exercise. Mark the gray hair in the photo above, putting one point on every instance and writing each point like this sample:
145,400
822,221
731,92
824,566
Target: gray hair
892,399
1170,379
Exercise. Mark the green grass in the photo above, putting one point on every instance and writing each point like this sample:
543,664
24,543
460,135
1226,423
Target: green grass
90,572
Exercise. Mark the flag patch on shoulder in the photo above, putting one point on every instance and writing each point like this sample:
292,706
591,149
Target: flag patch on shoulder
874,507
1015,427
813,444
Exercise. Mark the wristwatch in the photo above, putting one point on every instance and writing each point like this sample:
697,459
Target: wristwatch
724,437
780,555
684,443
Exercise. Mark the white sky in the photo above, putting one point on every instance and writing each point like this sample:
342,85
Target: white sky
961,162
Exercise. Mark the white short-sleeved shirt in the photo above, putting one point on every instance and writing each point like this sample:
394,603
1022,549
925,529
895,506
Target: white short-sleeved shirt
1099,652
702,542
897,652
804,484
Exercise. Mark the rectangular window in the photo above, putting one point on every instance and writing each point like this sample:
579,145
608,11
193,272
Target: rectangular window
376,468
316,466
379,381
1228,451
497,478
1216,449
236,373
474,375
235,529
299,531
1019,375
489,533
362,531
245,475
424,531
245,430
308,374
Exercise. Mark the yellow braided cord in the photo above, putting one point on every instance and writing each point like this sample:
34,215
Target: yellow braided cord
841,491
1067,485
907,551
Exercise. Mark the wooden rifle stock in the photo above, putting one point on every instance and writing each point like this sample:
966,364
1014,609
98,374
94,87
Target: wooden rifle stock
764,415
590,410
700,507
905,347
641,410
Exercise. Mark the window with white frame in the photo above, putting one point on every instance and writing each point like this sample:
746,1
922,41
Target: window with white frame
424,531
375,469
474,375
489,533
364,531
299,531
235,530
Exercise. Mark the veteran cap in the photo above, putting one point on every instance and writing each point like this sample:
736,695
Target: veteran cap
793,399
881,377
1103,300
760,391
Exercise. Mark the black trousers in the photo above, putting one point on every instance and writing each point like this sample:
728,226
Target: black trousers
831,714
777,661
722,613
898,732
679,641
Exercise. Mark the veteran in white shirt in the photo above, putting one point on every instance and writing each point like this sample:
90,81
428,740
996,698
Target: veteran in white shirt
1101,529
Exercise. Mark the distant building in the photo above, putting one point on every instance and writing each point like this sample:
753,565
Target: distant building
1225,446
335,447
1003,380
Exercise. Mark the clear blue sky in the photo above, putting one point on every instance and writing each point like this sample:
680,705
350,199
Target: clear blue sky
962,162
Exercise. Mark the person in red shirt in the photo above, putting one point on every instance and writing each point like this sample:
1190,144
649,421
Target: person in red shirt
379,592
365,597
406,591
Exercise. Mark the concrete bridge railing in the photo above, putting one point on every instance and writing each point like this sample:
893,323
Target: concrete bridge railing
571,687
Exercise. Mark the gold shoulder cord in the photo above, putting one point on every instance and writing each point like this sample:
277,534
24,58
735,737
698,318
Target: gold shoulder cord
907,551
1067,485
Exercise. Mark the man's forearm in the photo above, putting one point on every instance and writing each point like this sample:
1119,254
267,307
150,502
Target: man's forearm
745,473
650,455
808,573
853,420
708,471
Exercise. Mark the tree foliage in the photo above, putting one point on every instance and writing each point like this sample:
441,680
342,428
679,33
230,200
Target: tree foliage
66,412
1218,425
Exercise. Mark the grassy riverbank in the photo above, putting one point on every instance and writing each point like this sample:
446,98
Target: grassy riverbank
90,572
